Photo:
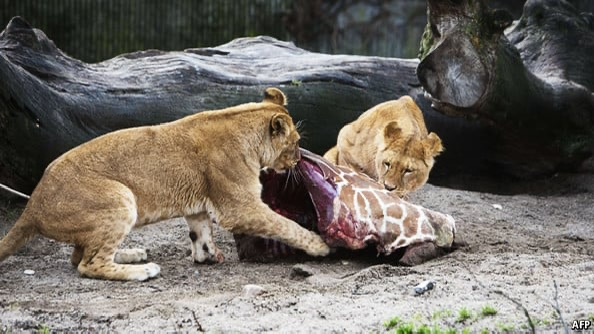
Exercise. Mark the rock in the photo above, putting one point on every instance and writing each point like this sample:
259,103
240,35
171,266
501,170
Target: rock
424,286
324,280
252,290
303,270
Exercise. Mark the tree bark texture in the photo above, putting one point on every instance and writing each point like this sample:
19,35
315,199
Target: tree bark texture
532,82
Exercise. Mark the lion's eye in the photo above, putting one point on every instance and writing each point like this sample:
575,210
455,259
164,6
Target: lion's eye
387,164
408,171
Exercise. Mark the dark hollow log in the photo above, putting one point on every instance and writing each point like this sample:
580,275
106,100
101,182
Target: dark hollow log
532,84
50,102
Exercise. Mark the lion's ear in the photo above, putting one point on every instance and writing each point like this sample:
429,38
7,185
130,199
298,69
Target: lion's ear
279,124
274,95
432,145
392,131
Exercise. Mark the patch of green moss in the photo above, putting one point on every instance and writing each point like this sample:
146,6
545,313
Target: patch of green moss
43,329
389,324
463,315
488,311
505,328
427,41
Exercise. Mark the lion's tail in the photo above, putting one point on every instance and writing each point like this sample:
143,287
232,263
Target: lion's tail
22,231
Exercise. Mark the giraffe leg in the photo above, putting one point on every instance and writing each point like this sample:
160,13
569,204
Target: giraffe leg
204,249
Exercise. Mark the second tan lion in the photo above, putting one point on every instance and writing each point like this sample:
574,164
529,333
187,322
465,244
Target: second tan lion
390,143
203,167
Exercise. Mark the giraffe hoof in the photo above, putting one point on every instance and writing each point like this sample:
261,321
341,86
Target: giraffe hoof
419,253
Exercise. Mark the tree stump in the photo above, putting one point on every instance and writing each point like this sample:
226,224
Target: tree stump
531,83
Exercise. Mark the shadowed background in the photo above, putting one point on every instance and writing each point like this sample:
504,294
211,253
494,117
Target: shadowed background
95,30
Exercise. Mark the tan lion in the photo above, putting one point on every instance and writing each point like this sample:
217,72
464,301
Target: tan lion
203,167
390,143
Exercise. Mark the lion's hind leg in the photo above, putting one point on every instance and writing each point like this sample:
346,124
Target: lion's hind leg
104,222
100,254
77,255
130,255
101,265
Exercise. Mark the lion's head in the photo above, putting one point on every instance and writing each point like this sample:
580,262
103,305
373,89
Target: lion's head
404,161
283,134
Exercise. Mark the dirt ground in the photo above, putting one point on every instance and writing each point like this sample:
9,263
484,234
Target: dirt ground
521,244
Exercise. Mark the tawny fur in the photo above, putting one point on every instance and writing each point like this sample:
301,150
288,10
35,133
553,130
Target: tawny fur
390,143
204,164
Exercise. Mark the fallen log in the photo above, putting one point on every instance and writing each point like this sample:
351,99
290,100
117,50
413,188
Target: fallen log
50,102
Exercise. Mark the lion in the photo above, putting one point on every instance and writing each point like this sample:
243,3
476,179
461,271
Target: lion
204,167
389,143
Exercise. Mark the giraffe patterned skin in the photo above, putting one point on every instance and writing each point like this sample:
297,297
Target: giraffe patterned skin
362,211
349,210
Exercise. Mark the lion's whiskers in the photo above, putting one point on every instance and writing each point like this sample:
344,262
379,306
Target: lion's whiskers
295,176
300,127
289,173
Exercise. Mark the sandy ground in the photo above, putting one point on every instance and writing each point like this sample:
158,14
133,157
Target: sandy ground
520,245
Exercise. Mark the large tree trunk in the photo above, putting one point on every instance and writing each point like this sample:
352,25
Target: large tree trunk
50,102
532,85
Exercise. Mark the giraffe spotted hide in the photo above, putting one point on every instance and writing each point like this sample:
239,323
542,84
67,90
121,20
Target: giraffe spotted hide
349,210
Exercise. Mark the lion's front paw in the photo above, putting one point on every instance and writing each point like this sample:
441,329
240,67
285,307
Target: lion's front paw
152,269
317,247
142,272
208,255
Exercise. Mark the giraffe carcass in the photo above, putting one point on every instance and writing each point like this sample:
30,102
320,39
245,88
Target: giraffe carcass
349,210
